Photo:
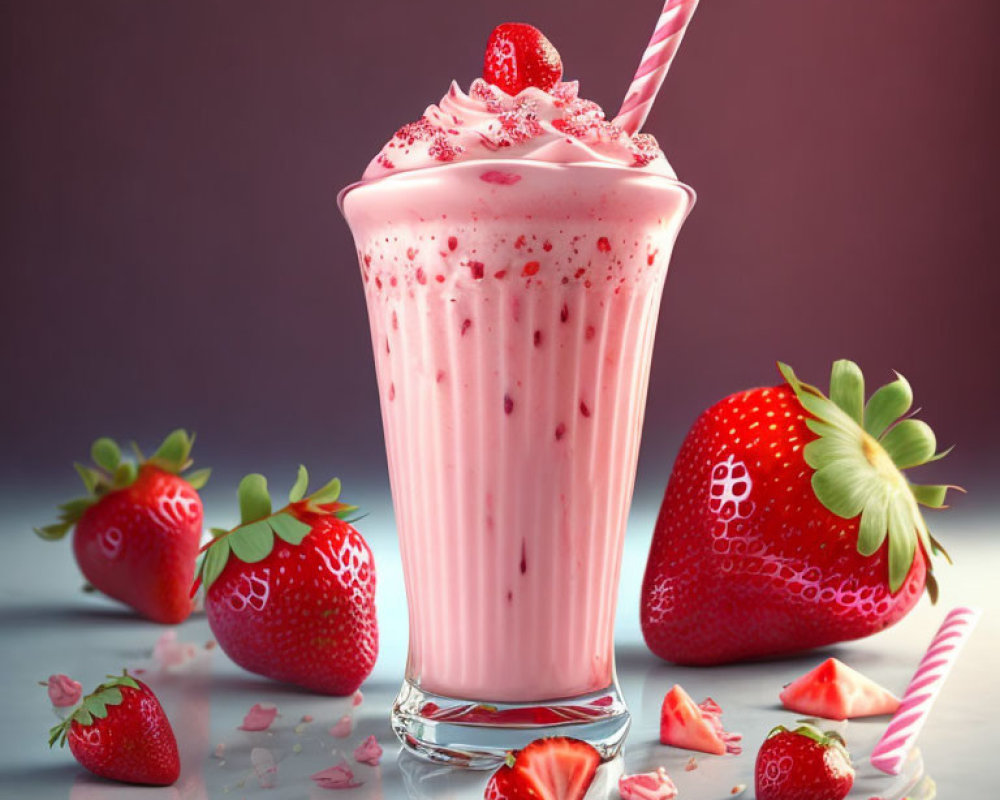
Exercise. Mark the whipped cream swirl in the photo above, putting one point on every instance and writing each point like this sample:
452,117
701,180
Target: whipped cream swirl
487,123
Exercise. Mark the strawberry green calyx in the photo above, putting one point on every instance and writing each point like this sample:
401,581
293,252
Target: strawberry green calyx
822,738
93,706
111,472
253,539
859,461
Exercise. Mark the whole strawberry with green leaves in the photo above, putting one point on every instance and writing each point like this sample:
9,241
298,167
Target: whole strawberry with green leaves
788,523
291,594
803,764
137,532
119,731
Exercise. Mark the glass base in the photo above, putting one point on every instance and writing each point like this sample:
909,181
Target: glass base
467,733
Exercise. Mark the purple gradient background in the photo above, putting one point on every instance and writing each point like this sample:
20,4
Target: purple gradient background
172,254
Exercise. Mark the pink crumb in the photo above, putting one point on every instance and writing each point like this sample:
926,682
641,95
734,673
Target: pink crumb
63,691
357,699
692,763
264,766
343,728
169,652
260,717
647,786
368,752
336,777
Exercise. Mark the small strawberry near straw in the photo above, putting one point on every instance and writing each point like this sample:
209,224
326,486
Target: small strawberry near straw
655,62
892,749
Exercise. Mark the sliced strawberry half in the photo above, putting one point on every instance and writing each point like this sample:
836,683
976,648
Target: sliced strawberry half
835,691
683,723
519,56
554,768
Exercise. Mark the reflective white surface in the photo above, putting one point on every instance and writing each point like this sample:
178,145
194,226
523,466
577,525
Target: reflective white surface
47,626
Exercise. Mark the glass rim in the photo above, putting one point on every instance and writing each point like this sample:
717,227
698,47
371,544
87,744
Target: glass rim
521,162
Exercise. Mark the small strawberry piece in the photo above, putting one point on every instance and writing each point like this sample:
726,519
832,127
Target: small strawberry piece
343,728
136,532
120,732
647,786
790,522
63,691
554,768
694,727
835,691
291,594
336,777
260,717
519,56
368,752
803,764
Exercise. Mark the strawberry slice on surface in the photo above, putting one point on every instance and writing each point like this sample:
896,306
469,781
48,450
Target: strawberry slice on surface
790,522
137,530
835,691
803,764
691,726
120,732
553,768
519,56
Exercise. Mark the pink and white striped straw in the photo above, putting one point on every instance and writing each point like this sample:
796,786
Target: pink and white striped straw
891,750
655,62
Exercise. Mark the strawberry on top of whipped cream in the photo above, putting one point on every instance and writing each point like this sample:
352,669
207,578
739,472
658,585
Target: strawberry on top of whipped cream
555,126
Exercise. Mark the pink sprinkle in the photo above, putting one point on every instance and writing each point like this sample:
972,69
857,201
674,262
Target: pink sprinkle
63,691
343,728
264,766
368,752
168,652
647,786
501,178
338,777
357,698
260,717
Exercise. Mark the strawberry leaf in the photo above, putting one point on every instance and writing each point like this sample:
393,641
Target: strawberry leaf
214,561
847,389
288,528
52,533
301,485
174,452
328,494
106,454
197,479
125,474
255,502
91,477
930,496
252,543
887,405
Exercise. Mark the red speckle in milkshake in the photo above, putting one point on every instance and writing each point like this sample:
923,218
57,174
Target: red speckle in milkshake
439,278
560,431
590,332
524,557
392,391
604,245
466,324
651,257
368,259
440,375
452,242
378,282
531,268
421,276
521,242
564,313
395,322
546,245
388,350
411,253
501,178
579,272
393,281
500,274
477,268
584,409
538,338
508,404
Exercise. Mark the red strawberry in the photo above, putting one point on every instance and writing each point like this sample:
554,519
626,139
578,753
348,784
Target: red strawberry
788,523
554,768
803,764
120,732
835,691
695,727
519,56
291,594
136,533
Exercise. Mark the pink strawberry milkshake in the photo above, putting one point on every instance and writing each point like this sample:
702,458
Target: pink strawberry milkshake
513,250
